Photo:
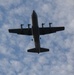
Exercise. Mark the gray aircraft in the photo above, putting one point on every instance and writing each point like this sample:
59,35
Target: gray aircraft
36,32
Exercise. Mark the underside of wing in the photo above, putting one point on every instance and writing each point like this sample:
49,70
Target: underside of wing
48,30
24,31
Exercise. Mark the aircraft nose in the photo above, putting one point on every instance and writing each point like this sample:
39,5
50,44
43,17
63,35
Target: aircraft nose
33,11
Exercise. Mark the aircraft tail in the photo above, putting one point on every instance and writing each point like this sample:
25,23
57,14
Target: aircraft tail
34,50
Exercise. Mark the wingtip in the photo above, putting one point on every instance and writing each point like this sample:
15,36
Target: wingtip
8,30
64,28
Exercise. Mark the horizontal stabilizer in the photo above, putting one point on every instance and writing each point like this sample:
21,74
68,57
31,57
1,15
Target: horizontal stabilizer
34,50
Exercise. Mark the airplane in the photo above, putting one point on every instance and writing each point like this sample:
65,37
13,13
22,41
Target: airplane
36,31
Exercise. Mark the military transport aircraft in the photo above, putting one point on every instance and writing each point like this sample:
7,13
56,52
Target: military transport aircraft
36,32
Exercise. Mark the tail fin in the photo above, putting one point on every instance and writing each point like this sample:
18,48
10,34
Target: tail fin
34,50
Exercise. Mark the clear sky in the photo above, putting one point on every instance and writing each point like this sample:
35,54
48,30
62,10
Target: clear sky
14,58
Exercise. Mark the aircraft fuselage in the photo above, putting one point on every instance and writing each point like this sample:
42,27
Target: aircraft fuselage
35,31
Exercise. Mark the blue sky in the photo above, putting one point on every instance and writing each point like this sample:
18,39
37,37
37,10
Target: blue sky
14,58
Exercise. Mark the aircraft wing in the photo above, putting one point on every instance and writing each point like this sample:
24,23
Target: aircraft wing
48,30
23,31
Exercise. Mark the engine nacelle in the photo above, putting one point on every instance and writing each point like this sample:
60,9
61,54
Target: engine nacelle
43,24
22,26
50,24
29,25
